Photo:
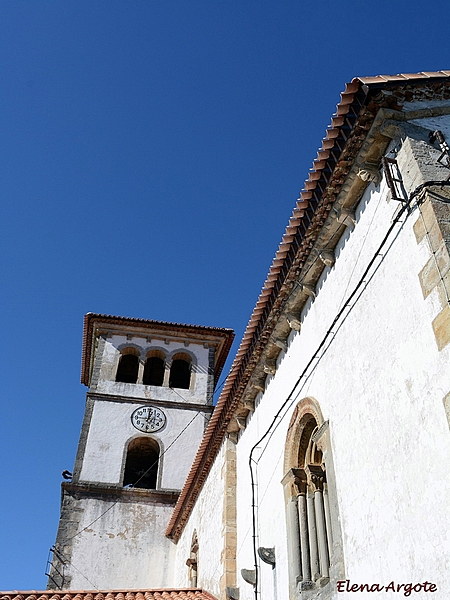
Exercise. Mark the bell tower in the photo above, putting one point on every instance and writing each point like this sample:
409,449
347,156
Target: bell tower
150,396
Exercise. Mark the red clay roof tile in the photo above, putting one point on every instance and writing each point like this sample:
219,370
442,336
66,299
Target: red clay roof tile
172,594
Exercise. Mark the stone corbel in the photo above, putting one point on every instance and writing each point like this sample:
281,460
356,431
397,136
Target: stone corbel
259,385
267,555
249,403
233,436
294,321
232,593
233,426
280,344
309,289
346,217
395,130
369,172
327,257
241,421
270,367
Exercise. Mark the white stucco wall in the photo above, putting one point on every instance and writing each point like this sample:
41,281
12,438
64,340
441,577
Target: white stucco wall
111,430
206,520
125,549
380,383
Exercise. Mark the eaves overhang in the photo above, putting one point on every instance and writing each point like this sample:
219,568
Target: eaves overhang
361,101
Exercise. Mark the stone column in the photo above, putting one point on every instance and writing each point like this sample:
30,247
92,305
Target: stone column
304,541
312,534
300,486
321,534
326,504
294,541
317,477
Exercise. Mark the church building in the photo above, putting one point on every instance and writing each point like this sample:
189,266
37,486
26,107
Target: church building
322,469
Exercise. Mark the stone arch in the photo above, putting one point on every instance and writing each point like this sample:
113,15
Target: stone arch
130,348
188,354
180,370
154,367
128,365
306,410
142,463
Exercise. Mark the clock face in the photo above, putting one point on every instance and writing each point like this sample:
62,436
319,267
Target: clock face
148,419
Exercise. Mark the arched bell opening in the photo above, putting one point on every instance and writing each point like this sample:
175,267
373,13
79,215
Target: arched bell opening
154,368
128,367
180,372
141,465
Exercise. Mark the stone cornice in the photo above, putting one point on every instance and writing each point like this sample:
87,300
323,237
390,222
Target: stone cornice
120,494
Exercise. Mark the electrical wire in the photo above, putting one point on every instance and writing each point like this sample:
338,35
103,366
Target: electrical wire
404,208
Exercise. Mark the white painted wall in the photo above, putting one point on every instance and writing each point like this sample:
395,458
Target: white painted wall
111,430
125,549
380,383
207,520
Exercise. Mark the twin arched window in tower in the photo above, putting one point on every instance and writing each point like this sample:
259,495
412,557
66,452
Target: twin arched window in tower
157,370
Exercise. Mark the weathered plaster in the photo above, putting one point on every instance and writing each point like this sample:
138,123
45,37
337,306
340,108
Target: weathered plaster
126,531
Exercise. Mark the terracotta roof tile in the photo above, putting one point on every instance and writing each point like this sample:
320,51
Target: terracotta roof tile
402,77
159,594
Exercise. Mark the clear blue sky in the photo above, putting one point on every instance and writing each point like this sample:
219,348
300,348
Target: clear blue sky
152,152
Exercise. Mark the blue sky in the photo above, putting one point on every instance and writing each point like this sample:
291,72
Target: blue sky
152,152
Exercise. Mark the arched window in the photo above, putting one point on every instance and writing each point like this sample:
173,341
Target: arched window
128,368
192,561
154,368
141,466
309,520
180,372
